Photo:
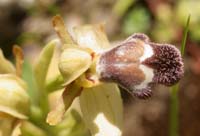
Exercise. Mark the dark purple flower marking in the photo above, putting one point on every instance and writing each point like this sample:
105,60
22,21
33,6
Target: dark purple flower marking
167,64
138,64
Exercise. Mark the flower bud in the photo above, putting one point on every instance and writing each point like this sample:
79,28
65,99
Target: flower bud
138,64
73,62
14,99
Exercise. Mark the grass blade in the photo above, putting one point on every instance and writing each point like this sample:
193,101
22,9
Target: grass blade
183,43
174,102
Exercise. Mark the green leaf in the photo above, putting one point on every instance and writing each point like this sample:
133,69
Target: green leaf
183,43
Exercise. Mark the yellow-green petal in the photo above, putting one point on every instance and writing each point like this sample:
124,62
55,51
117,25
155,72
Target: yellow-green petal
92,37
102,109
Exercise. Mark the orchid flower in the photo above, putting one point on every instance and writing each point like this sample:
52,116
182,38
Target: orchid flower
138,64
91,69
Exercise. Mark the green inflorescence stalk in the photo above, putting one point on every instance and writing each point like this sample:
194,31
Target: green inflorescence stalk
174,102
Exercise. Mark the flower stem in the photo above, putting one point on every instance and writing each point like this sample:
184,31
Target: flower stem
174,102
174,110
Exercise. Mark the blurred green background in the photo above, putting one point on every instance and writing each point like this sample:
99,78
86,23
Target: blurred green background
28,23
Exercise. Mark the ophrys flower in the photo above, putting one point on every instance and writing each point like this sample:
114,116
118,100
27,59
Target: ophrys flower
138,64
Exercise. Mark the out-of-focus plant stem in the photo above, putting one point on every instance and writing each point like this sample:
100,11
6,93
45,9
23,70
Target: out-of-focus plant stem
37,119
174,102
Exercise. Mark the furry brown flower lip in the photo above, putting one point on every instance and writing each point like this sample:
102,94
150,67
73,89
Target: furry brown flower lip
138,64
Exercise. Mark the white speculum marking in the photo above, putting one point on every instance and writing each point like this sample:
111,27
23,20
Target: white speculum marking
148,72
148,52
105,127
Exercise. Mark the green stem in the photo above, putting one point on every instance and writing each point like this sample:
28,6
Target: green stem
174,101
174,111
54,84
44,126
37,118
43,103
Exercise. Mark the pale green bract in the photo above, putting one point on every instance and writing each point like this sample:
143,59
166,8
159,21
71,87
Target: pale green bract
42,65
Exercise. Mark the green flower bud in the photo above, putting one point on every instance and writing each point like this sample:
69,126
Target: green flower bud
14,100
73,62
